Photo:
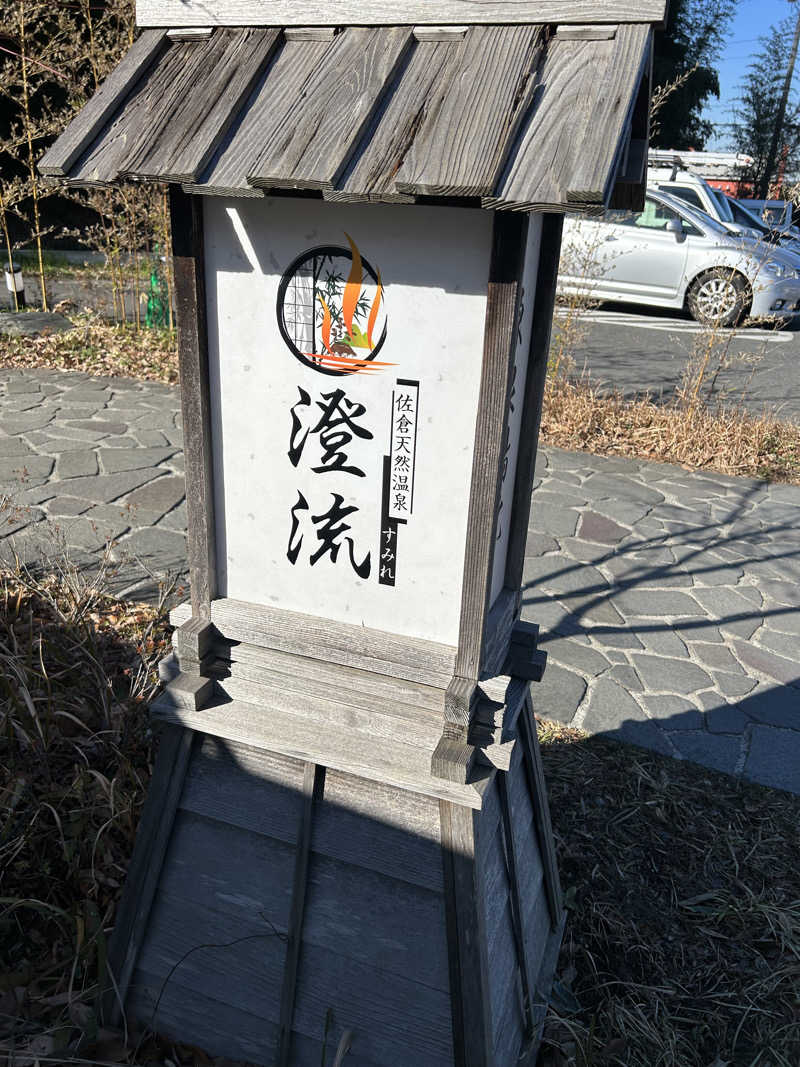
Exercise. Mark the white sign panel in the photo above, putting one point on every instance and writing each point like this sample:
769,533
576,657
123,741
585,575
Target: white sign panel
345,345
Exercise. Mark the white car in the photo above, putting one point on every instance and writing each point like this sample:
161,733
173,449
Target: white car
672,256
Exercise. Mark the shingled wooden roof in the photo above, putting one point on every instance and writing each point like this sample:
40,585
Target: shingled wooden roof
515,116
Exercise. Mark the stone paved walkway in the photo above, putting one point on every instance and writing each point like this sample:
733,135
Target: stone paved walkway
101,459
668,601
670,607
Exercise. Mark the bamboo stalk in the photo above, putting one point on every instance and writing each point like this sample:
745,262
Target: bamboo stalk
26,109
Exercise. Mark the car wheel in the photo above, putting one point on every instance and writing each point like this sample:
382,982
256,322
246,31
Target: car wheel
719,297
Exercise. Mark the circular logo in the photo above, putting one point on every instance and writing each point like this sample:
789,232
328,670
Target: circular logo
331,310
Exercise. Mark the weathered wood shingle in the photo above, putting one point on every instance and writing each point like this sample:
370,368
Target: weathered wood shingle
511,116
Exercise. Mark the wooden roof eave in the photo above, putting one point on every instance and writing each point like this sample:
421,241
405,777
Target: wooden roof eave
489,116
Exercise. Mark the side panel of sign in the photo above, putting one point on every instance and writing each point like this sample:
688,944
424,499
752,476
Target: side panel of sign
526,312
345,347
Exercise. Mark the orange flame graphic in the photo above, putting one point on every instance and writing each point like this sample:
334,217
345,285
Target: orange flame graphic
373,315
352,291
338,357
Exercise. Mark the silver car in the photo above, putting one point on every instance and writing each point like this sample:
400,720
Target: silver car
673,256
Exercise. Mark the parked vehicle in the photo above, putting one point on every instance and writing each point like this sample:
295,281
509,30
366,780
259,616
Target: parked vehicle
789,240
776,213
697,193
672,256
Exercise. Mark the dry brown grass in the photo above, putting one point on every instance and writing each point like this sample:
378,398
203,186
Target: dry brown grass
76,670
99,348
581,417
683,939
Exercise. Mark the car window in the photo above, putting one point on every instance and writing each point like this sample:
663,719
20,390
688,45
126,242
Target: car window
691,196
721,200
654,217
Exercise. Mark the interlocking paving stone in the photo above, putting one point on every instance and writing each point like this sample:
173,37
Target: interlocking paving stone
726,719
720,752
656,603
594,527
733,685
67,505
570,652
663,675
76,464
115,460
613,712
559,694
15,446
763,662
17,469
773,705
717,656
672,712
100,426
774,757
108,487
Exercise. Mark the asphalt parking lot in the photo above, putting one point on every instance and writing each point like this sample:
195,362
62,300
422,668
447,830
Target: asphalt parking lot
640,350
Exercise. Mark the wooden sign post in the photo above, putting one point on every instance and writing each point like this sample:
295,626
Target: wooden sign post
347,840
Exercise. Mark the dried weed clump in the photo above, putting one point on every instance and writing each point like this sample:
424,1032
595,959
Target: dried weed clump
682,946
76,670
97,347
581,417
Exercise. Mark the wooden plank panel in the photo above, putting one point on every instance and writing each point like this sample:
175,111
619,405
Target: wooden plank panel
104,160
362,823
530,864
414,726
543,160
185,139
375,920
394,1020
244,787
186,1015
486,90
513,860
152,844
237,959
363,755
609,122
188,263
90,120
561,129
323,126
386,830
381,13
284,83
361,688
372,173
412,659
246,876
538,792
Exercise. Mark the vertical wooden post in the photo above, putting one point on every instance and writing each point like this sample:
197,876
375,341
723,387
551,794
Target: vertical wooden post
186,216
453,755
466,939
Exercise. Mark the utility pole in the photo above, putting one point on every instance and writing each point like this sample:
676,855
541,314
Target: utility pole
781,116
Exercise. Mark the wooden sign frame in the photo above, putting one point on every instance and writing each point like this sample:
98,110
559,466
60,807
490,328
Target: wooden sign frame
174,13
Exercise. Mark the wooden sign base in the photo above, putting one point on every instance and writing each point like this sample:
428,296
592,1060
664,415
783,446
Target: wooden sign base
300,873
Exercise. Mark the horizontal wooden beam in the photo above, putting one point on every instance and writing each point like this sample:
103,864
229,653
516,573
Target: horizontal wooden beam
172,13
